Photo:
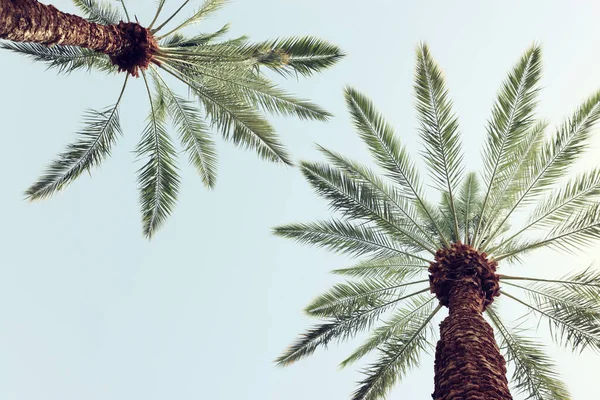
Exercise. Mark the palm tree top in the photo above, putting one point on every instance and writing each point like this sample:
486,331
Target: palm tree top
414,247
225,77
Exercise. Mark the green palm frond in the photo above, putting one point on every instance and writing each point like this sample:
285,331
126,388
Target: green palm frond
193,133
522,156
158,178
304,55
359,201
417,307
439,127
65,59
340,328
207,8
398,355
399,204
535,373
94,144
236,120
347,298
386,149
344,237
582,191
556,155
579,230
570,325
400,267
468,205
100,12
508,128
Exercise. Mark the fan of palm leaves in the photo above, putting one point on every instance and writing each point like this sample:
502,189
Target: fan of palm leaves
389,220
223,76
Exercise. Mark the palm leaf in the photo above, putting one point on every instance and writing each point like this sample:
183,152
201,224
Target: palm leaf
340,329
344,237
359,201
468,205
157,178
193,133
347,298
418,307
579,230
304,55
535,372
400,267
207,8
557,155
439,127
398,355
570,325
99,12
512,115
236,120
385,148
92,147
65,59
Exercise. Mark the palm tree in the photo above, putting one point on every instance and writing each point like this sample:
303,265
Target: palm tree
459,243
223,75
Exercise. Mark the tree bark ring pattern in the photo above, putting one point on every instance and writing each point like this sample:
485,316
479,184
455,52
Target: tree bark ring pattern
130,46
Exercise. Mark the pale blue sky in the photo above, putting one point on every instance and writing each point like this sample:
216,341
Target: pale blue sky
91,310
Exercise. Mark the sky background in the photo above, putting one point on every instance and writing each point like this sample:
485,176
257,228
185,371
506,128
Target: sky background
91,310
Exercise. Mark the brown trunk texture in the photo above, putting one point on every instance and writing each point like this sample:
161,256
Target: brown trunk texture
31,21
468,363
130,46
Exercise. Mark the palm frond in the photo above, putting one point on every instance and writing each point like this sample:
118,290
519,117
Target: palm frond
522,156
556,155
98,11
304,55
418,307
344,237
93,145
401,205
207,8
386,149
193,133
398,355
570,326
512,115
346,298
339,329
468,205
157,178
580,192
439,127
236,120
65,59
535,374
580,230
178,40
400,267
359,201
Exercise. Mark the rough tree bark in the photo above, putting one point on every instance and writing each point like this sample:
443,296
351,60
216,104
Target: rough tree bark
468,363
129,45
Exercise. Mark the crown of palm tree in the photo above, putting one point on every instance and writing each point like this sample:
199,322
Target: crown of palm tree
404,234
223,75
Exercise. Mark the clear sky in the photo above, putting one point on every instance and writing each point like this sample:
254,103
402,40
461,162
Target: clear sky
91,310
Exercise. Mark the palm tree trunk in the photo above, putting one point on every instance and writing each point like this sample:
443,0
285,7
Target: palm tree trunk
31,21
468,363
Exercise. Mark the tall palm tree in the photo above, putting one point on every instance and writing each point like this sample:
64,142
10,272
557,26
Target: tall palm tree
459,243
223,75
